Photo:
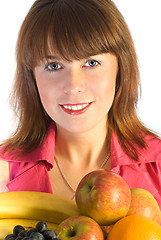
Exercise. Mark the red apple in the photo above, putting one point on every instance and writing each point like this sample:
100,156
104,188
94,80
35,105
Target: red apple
104,196
143,203
79,228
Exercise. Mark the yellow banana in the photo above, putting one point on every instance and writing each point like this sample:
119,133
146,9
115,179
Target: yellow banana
36,205
7,225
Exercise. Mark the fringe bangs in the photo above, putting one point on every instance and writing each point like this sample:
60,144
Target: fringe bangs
71,30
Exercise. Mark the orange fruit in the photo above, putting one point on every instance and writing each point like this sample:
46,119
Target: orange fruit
135,227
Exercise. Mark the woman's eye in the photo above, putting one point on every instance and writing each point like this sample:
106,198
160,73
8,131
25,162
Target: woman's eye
53,66
91,63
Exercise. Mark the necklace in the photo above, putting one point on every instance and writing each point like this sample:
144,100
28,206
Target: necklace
65,179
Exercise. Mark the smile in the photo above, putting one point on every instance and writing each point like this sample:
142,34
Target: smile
75,109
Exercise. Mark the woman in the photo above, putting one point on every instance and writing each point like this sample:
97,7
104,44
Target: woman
75,93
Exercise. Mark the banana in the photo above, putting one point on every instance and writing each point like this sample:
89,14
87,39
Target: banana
7,225
36,205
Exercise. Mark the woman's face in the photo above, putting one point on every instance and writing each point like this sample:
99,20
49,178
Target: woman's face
77,95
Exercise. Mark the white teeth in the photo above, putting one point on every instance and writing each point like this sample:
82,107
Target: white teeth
79,107
75,107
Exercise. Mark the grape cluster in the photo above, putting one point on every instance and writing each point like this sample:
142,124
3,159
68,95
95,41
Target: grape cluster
40,232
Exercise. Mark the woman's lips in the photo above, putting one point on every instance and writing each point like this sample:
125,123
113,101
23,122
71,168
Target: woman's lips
75,109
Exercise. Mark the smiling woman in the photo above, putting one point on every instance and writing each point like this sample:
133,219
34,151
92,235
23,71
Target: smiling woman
76,92
102,29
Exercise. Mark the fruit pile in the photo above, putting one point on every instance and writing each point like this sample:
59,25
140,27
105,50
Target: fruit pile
105,197
104,208
40,232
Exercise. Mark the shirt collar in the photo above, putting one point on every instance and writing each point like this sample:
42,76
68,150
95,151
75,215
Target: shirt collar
44,152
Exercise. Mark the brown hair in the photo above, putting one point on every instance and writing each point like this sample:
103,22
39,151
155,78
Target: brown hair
75,29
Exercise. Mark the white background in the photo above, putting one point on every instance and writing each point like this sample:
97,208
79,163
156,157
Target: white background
144,20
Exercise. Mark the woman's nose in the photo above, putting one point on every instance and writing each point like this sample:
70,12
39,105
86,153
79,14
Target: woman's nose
75,83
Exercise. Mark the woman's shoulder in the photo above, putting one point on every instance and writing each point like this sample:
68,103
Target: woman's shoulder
38,152
151,153
5,155
153,143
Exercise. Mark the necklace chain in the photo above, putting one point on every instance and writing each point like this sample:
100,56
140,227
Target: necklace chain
65,179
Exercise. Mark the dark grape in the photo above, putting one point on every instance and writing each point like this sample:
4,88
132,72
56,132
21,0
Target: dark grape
9,236
22,233
49,234
19,238
17,229
41,226
37,236
40,232
31,231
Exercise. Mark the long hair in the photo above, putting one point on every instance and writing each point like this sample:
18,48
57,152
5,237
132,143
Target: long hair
75,29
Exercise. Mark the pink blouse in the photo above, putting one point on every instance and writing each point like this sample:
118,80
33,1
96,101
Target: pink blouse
30,173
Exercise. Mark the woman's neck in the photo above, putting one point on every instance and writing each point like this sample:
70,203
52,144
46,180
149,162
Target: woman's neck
85,149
